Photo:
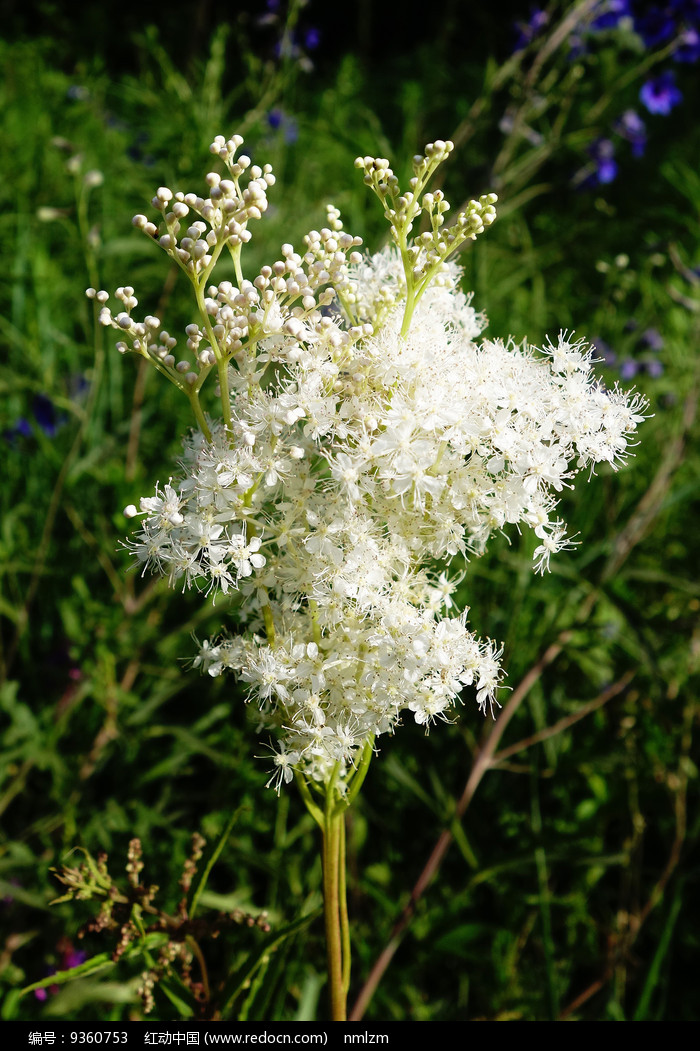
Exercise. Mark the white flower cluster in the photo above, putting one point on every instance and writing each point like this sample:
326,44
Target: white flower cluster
368,436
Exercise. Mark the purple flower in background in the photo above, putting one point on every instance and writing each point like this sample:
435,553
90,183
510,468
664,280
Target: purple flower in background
656,26
610,13
312,38
629,368
281,121
73,958
78,387
688,49
660,95
68,958
653,339
45,415
527,31
649,340
46,418
631,127
603,153
687,12
676,21
21,428
602,170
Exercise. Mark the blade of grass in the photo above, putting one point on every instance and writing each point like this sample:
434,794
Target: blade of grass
200,881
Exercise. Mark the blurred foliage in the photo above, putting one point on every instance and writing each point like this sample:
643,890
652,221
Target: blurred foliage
567,889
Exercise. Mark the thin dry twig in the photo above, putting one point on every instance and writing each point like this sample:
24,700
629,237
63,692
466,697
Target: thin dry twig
563,724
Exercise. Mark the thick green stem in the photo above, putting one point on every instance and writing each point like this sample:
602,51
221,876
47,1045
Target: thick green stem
331,821
343,908
334,910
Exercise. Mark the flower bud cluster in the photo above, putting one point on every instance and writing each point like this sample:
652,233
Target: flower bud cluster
427,253
372,436
146,337
224,214
287,300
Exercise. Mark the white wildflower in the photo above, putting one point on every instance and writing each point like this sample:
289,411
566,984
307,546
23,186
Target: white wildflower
366,434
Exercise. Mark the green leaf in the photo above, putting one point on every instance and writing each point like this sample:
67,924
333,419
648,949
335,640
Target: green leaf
179,997
96,964
8,1011
460,941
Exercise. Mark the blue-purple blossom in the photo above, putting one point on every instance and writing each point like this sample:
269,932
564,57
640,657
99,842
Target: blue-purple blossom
602,170
632,128
688,49
655,26
78,387
660,95
603,153
45,414
281,121
68,959
21,428
653,339
685,9
630,367
312,38
527,31
609,13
